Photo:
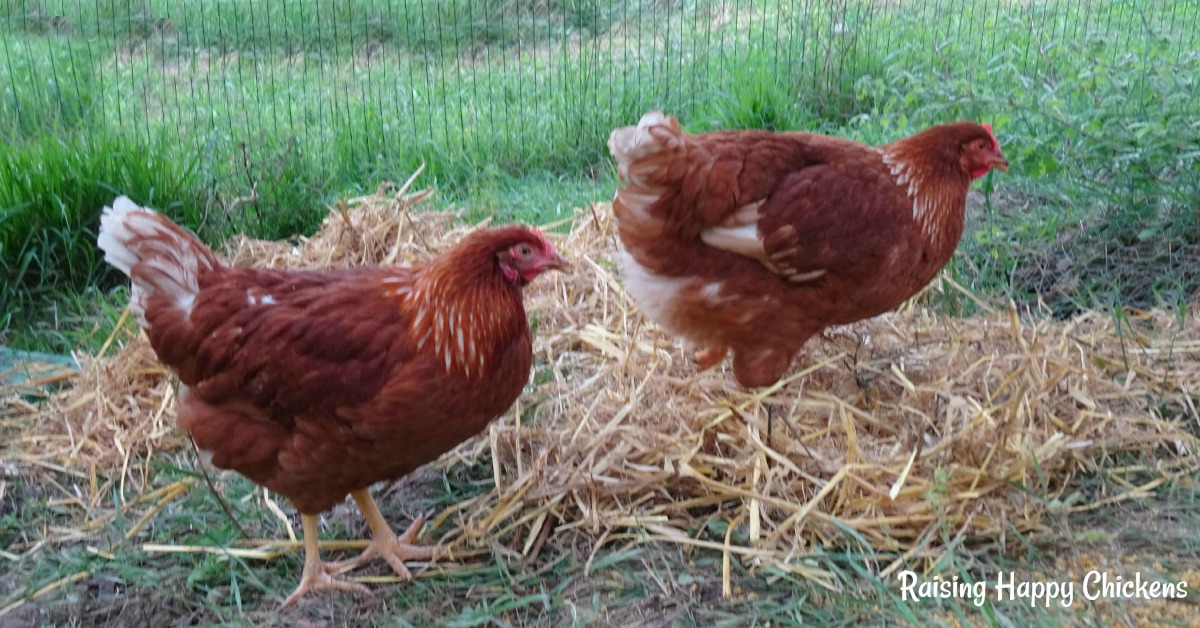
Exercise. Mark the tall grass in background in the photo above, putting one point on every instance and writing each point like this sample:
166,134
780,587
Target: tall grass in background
61,163
184,104
51,192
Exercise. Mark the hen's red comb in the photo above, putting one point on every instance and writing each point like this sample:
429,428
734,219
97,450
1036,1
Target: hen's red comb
542,238
988,127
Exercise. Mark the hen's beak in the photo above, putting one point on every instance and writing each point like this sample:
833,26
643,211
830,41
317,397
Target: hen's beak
558,262
1000,163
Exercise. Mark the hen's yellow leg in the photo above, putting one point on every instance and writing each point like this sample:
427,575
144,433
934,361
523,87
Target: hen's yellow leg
394,549
317,574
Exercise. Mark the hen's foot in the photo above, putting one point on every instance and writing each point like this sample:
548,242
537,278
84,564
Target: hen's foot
709,357
397,550
322,577
318,574
394,549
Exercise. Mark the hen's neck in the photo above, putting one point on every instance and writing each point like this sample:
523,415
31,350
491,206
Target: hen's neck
460,311
936,188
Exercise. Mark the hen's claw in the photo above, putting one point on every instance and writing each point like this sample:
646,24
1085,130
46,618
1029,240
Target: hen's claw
395,550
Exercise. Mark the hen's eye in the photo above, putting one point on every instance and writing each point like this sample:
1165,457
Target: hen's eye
524,250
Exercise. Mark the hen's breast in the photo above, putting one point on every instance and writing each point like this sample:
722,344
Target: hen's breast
422,414
657,295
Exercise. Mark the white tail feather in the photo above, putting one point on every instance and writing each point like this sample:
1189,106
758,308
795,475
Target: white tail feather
655,133
648,161
159,256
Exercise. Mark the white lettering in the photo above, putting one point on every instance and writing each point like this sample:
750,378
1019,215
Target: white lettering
1010,586
908,580
1090,580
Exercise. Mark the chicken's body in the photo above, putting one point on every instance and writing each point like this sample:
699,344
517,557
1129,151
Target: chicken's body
754,241
322,374
319,384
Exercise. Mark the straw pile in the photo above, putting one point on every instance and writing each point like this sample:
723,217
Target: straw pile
906,433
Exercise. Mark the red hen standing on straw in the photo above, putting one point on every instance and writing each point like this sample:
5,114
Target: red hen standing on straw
754,241
319,384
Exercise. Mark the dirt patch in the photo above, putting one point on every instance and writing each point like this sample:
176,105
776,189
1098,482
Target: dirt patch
1091,263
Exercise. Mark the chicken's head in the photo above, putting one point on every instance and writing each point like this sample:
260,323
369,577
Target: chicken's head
527,254
980,152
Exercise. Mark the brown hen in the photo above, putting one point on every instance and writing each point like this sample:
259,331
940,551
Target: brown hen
319,384
754,241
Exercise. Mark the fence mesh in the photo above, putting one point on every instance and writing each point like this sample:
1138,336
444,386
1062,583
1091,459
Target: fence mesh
455,77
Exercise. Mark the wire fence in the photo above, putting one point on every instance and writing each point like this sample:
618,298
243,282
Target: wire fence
493,77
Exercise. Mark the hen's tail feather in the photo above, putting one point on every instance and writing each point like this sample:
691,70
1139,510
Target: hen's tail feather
651,160
646,153
159,256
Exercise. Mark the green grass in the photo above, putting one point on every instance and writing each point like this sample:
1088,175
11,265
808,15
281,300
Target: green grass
52,189
430,28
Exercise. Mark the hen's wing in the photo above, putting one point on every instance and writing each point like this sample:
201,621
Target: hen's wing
287,342
287,379
845,216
